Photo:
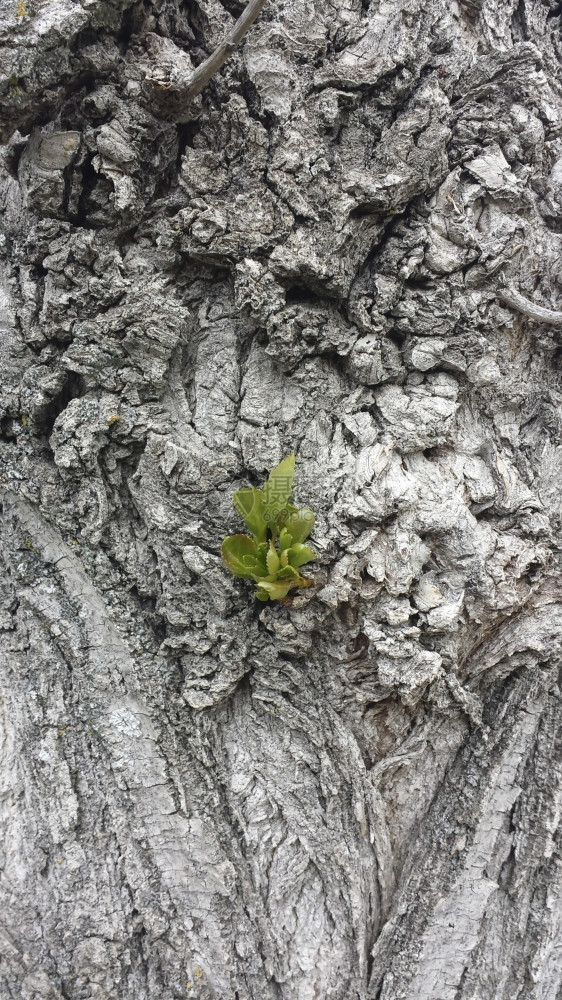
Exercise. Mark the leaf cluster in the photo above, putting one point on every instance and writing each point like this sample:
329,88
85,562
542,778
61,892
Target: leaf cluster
274,551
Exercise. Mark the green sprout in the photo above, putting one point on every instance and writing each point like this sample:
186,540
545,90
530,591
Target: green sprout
274,552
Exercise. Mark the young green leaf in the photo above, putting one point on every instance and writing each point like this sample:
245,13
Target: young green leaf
288,573
277,490
261,553
285,540
272,560
273,563
279,484
300,523
249,504
254,566
233,550
300,554
275,591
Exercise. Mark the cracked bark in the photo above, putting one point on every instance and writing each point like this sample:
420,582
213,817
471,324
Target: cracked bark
348,245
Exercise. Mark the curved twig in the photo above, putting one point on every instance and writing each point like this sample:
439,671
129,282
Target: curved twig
207,69
517,301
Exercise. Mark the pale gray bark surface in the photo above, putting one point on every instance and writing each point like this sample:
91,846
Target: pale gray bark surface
348,245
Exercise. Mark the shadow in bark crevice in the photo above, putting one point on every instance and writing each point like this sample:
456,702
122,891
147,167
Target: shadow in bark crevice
72,388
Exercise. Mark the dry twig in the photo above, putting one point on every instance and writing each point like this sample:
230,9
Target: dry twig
207,69
517,301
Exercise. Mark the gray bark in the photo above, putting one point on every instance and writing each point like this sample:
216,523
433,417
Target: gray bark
348,245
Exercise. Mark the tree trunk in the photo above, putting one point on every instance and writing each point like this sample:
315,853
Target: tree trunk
347,246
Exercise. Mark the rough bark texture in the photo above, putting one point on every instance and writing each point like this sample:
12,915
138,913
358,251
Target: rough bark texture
344,246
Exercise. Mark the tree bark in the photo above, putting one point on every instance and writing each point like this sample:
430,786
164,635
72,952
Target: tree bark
347,246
